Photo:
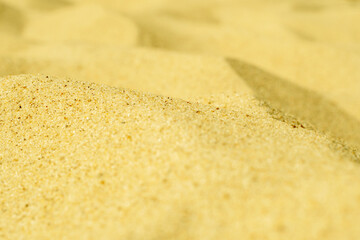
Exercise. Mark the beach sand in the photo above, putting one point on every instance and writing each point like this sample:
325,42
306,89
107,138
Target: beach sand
159,119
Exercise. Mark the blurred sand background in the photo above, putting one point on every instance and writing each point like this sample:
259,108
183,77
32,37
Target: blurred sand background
192,119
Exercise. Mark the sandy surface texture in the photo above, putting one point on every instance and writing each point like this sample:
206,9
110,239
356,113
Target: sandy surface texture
186,120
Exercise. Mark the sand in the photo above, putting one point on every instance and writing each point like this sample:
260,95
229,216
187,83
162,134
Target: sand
159,119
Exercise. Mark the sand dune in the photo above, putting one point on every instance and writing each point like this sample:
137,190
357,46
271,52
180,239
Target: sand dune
186,76
282,55
160,119
79,153
11,20
100,26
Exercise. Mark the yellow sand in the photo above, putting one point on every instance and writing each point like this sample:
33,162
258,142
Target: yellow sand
164,119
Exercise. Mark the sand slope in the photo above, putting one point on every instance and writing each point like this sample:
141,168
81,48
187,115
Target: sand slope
159,119
87,159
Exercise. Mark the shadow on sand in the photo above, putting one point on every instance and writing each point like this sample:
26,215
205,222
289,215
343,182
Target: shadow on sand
306,105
